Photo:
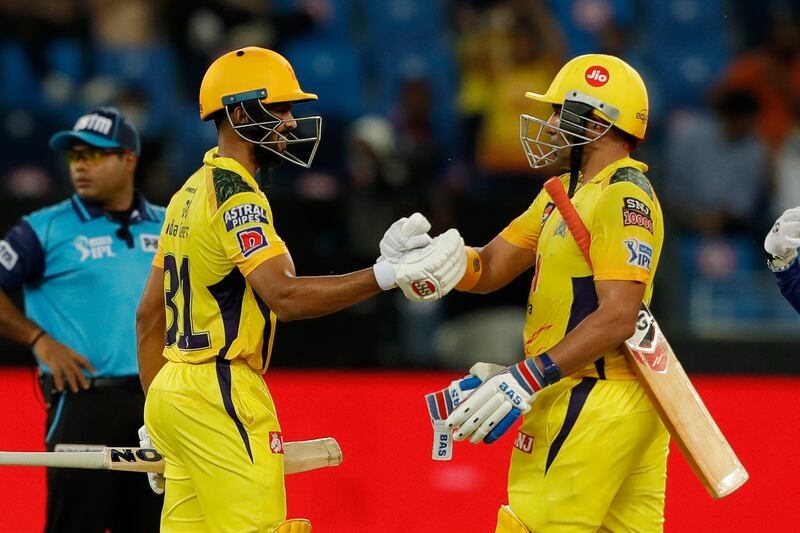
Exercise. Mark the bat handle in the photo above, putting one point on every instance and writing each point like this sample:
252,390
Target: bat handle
570,215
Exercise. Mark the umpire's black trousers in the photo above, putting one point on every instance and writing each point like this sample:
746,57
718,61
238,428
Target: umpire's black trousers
94,501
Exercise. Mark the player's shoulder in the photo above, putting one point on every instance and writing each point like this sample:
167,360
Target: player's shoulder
630,178
226,184
51,211
43,217
155,211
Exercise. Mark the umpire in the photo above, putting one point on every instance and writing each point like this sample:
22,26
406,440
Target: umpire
82,264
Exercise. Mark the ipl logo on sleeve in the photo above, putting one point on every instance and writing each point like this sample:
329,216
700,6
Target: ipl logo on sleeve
640,253
251,239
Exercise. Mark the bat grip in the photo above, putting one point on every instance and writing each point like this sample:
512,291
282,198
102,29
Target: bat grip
570,215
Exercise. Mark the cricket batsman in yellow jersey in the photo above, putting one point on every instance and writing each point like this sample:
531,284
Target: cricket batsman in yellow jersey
591,452
221,279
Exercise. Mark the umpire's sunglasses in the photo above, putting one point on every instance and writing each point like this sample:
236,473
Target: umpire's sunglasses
91,155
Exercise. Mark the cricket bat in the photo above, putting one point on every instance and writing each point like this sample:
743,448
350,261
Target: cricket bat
666,383
299,456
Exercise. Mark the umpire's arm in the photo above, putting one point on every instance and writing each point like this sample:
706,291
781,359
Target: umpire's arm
150,327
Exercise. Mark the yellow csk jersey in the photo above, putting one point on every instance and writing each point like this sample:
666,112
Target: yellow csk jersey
217,229
624,219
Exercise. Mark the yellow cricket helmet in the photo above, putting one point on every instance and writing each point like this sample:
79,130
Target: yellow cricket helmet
610,81
248,73
253,79
595,92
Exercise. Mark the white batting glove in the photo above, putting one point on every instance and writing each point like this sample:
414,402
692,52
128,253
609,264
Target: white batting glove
442,403
783,239
404,235
489,411
156,480
430,273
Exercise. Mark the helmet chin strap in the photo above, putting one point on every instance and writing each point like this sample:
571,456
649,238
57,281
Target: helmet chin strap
575,157
577,124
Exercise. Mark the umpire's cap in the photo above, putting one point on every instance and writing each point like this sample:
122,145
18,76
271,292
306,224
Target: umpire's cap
104,127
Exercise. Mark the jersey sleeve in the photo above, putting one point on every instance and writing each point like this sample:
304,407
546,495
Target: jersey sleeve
22,257
245,228
158,258
623,240
789,284
524,230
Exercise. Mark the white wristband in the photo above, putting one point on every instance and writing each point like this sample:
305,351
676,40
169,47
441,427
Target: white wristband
384,275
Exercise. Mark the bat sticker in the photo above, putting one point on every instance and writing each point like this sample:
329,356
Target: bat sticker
647,343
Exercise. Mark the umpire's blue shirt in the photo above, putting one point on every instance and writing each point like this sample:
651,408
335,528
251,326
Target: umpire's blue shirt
83,277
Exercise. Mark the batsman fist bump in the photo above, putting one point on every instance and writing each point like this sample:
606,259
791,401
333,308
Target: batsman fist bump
404,235
430,273
783,239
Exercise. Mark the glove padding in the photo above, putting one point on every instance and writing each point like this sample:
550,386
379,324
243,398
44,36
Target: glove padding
494,407
442,403
783,239
404,235
156,480
430,273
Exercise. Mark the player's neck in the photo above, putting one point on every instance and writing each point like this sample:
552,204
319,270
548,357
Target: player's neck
120,201
597,160
238,150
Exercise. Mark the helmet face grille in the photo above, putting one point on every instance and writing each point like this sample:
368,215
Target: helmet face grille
296,140
576,126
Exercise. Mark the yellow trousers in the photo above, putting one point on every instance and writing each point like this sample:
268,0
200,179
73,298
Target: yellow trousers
216,426
591,455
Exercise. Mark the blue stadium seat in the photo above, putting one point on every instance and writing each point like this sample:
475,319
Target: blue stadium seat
338,26
149,70
729,291
395,64
413,22
688,47
331,70
581,20
686,21
190,139
18,82
65,56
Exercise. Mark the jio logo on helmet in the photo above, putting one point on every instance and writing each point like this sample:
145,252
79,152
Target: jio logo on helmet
596,76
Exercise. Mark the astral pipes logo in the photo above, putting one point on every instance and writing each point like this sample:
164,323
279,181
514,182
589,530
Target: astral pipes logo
596,76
